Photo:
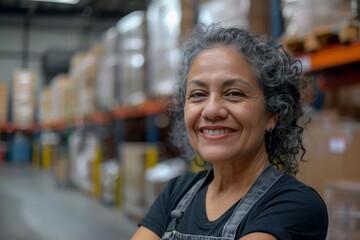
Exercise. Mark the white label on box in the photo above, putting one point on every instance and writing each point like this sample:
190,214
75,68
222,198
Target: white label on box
337,145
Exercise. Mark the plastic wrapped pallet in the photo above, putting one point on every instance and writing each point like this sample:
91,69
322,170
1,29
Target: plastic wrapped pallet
3,103
23,97
225,12
105,88
83,85
303,16
110,173
343,202
59,94
132,41
86,64
45,106
165,21
82,154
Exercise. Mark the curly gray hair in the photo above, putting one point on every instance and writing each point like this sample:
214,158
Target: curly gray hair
279,75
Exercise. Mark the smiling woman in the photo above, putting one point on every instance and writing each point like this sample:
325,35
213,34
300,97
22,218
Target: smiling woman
239,103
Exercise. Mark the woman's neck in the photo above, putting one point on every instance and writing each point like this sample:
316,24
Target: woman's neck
235,177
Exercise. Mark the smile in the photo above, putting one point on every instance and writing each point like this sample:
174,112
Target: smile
216,132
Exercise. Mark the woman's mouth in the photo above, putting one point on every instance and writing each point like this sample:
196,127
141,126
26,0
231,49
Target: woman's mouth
216,132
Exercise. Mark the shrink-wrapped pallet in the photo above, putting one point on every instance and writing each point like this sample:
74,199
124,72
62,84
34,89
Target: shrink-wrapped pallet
226,12
45,106
23,97
303,16
83,72
132,41
59,95
107,74
3,103
166,25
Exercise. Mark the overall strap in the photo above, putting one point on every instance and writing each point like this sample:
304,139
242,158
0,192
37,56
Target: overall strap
177,214
266,179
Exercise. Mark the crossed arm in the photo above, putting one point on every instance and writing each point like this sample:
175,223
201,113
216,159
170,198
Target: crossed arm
145,234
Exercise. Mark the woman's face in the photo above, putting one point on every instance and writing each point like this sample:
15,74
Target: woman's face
224,110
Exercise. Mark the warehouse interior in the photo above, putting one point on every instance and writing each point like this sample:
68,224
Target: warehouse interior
85,88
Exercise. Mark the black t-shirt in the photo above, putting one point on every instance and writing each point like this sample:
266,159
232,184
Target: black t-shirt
288,210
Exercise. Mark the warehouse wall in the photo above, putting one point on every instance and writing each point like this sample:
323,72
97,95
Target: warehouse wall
45,32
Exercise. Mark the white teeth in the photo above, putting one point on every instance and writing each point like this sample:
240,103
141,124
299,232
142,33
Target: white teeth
216,132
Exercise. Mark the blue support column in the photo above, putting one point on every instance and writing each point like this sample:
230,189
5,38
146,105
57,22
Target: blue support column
119,135
152,138
277,23
152,133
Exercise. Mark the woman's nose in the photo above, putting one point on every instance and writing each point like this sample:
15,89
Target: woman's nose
214,109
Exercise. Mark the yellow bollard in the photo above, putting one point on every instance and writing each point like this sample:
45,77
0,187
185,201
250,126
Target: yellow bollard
151,156
46,156
96,172
118,190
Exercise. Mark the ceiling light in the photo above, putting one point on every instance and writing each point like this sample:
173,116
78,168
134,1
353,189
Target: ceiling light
59,1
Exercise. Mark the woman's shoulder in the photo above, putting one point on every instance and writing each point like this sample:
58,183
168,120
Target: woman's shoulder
297,195
292,184
296,208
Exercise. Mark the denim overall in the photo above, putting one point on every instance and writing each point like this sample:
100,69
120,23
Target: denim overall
267,178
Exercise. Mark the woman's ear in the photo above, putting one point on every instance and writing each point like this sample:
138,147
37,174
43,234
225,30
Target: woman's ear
272,120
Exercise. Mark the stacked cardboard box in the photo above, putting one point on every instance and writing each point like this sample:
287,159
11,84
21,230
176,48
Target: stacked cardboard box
23,97
59,95
349,101
3,103
343,202
45,106
332,145
133,163
83,73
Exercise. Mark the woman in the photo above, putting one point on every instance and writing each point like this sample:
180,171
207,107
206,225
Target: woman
239,99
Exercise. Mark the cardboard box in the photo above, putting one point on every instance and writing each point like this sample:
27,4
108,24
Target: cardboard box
332,151
23,97
3,103
133,174
59,94
45,106
343,202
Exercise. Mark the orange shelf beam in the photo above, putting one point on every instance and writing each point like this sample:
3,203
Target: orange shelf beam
11,127
331,57
99,117
145,109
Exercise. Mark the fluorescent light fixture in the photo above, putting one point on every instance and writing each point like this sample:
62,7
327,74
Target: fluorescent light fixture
58,1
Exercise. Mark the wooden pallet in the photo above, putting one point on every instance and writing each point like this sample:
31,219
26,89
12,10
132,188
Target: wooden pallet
322,37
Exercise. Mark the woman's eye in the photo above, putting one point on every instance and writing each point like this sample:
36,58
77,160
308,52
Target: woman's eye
196,95
235,93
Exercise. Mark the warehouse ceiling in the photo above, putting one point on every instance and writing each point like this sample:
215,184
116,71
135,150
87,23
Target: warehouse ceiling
93,8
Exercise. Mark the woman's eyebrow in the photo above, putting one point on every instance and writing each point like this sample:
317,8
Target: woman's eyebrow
230,82
226,83
196,82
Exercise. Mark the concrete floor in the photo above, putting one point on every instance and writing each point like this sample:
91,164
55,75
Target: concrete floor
33,208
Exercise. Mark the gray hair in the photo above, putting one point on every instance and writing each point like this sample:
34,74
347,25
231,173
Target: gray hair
279,75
